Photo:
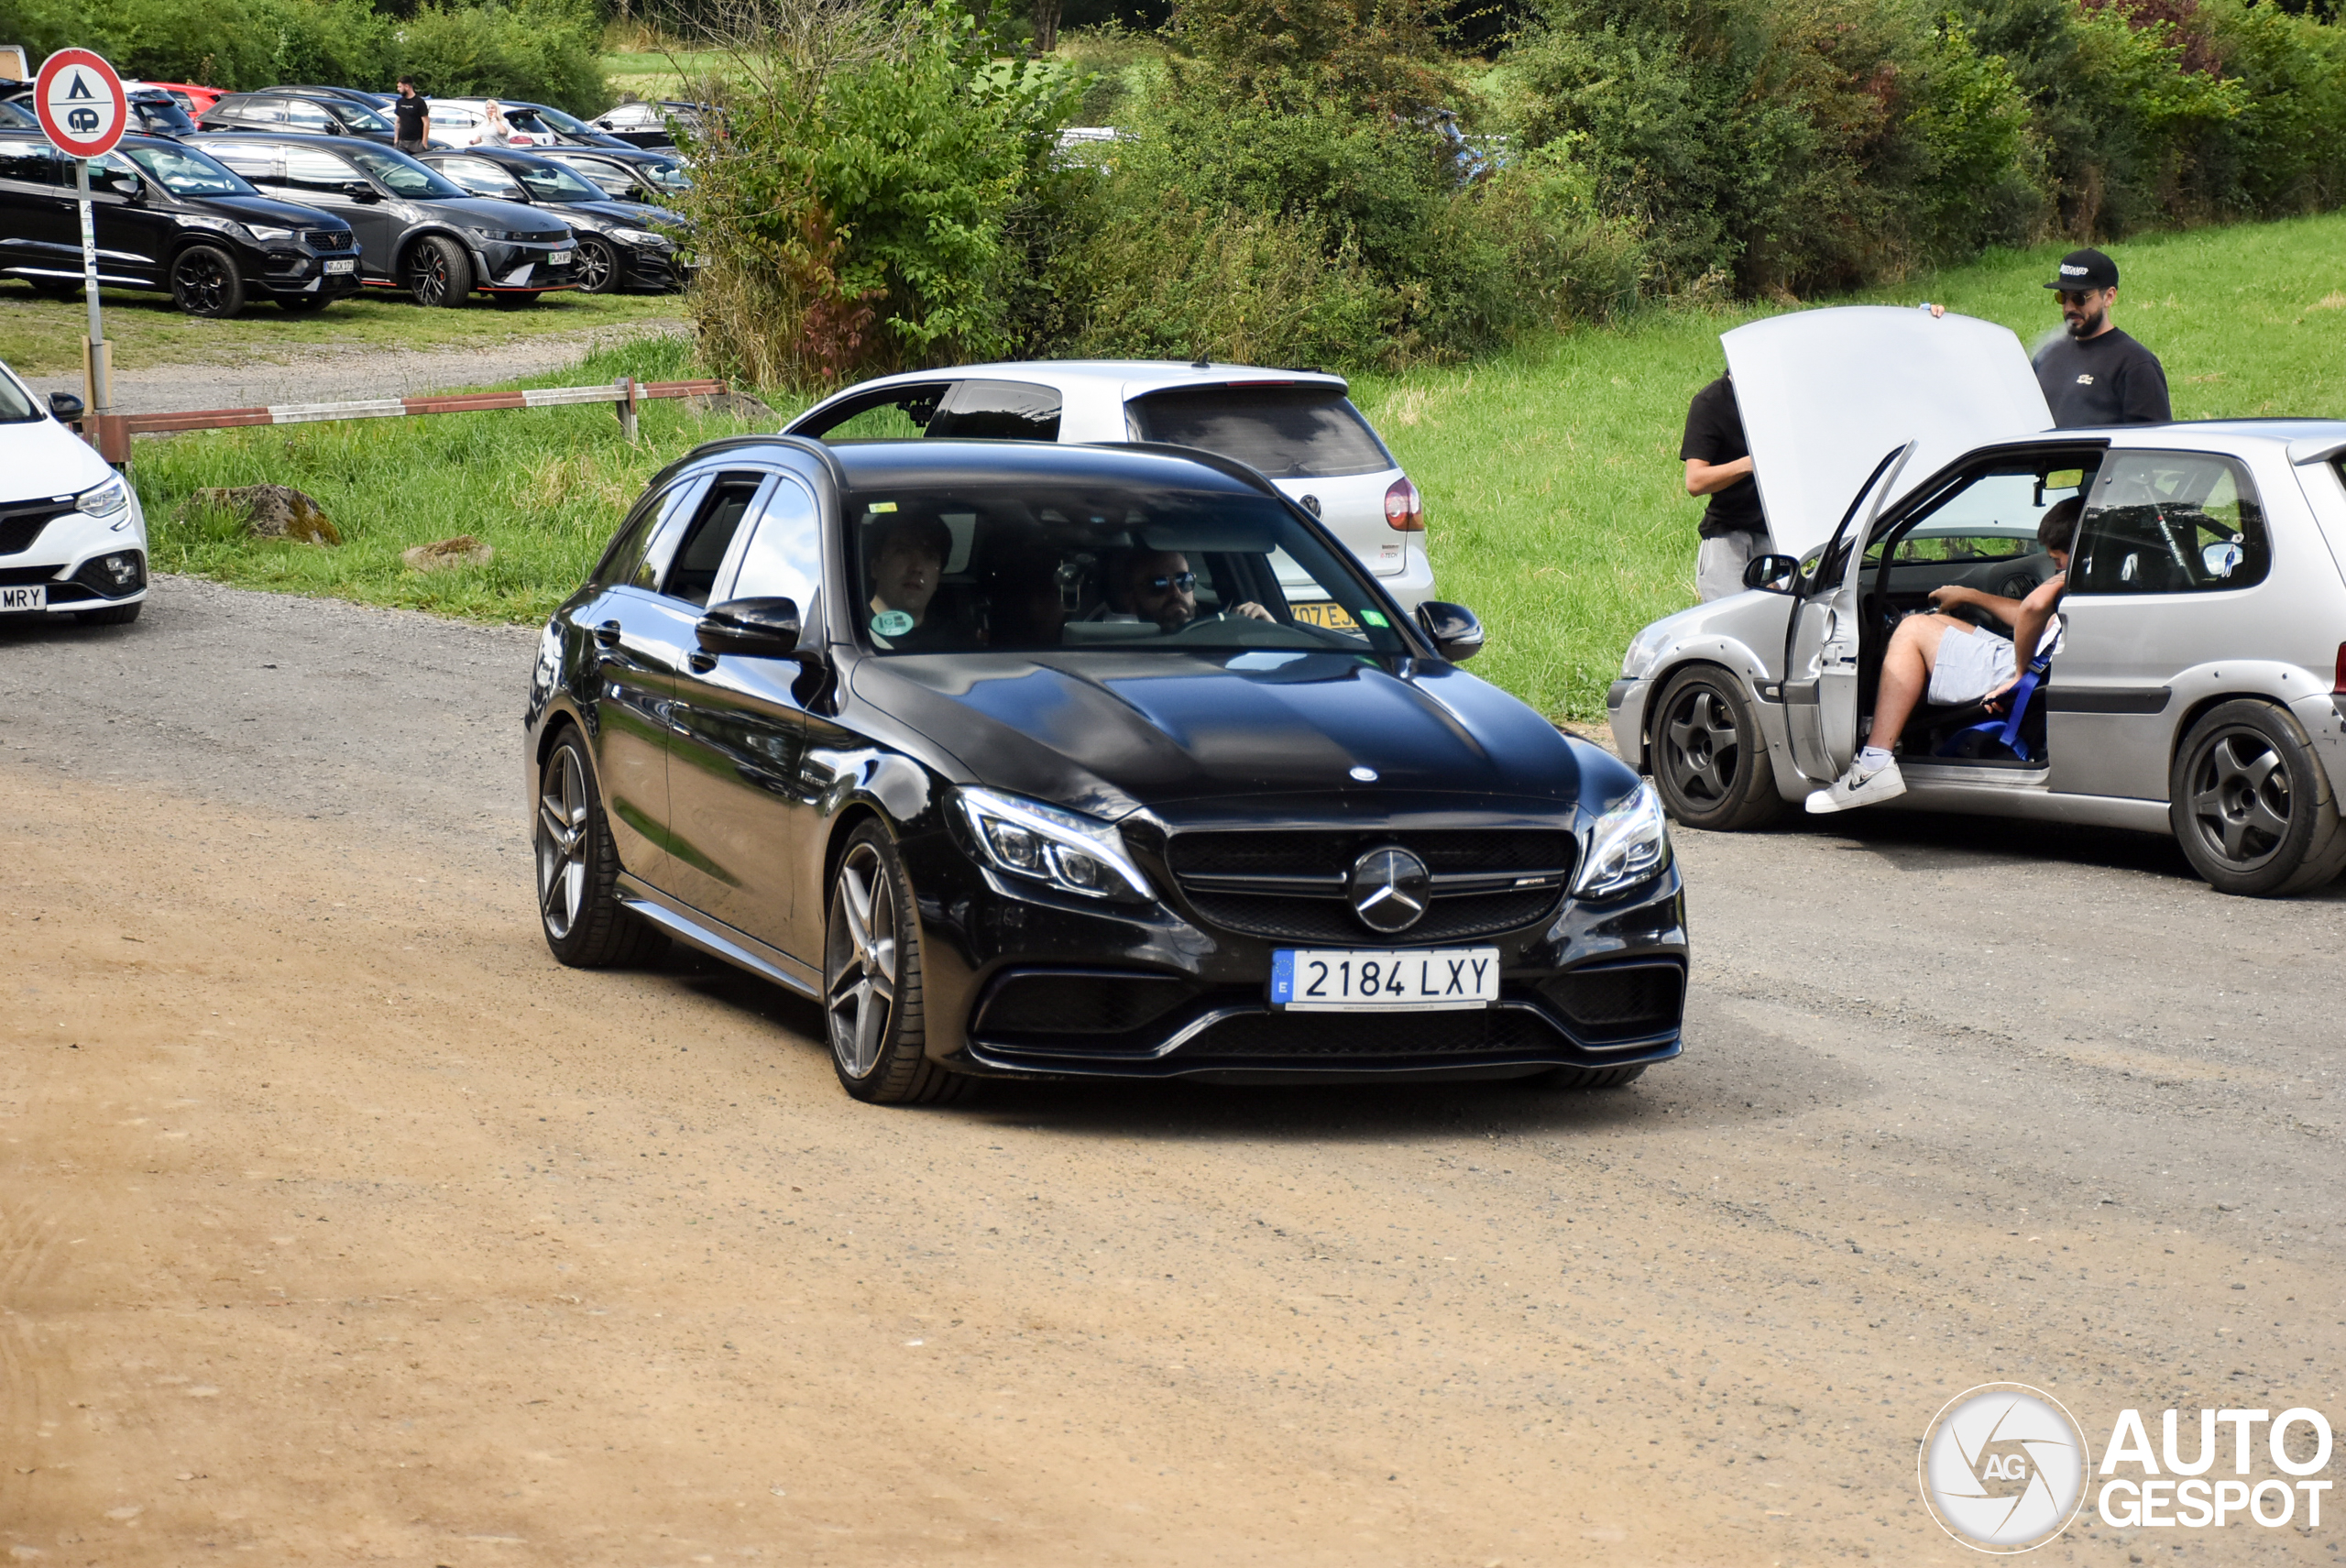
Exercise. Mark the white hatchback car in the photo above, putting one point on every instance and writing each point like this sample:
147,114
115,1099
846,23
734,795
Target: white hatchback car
72,538
1297,427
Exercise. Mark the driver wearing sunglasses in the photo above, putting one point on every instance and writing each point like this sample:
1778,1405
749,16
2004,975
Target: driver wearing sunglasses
1162,588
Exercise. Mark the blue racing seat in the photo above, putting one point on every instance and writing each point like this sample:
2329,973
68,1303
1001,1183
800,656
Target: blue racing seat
2001,737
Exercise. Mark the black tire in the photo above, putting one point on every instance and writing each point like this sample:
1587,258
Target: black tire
578,866
439,272
514,300
302,304
1593,1077
204,282
113,615
2251,806
1710,760
871,990
599,267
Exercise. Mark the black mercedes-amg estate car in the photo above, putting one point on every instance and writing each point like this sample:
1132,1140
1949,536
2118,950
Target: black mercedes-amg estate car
1027,758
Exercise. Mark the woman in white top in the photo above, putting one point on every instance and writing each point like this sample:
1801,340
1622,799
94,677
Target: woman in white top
498,132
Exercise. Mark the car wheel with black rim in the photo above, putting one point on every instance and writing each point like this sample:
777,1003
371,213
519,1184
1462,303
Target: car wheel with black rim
439,272
872,989
1710,762
204,282
2250,803
598,267
585,925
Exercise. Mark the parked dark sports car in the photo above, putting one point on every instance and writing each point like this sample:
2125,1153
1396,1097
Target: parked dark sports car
330,113
167,217
627,173
416,231
622,246
1014,757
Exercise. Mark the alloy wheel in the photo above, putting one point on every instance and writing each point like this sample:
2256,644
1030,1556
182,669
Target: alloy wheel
562,844
2240,798
428,277
596,266
201,281
1701,746
862,995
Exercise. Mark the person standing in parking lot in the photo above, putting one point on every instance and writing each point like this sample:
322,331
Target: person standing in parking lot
1718,465
411,115
2095,374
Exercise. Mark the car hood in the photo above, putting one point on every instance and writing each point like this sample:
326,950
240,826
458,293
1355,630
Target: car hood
1824,394
1106,733
43,458
628,214
262,209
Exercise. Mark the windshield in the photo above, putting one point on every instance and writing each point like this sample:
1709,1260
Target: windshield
358,116
158,113
1288,433
183,171
666,174
15,116
1135,571
400,173
552,183
17,405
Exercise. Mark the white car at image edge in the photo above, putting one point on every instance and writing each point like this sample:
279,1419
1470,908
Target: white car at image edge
72,538
1297,427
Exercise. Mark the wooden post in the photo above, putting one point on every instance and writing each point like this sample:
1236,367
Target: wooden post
625,407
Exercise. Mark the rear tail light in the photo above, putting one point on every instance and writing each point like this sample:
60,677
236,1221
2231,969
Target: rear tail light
2340,683
1405,512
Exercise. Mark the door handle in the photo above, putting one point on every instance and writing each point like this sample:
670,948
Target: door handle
608,635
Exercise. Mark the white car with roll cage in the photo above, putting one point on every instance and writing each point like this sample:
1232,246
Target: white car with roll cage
1297,428
2199,686
73,537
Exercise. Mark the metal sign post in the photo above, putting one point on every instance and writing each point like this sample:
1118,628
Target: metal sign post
82,111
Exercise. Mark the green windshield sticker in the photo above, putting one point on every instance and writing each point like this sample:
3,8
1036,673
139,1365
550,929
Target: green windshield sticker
883,506
1374,618
892,624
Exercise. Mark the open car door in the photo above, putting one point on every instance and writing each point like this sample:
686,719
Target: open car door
1822,643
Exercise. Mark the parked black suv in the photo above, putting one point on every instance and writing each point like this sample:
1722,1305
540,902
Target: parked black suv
416,231
167,217
621,245
627,173
279,109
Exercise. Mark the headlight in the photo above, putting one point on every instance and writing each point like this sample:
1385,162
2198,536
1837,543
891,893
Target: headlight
497,235
639,236
1628,845
1644,648
104,498
267,231
1064,849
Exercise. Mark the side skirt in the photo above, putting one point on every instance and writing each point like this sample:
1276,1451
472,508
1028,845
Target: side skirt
2000,797
718,940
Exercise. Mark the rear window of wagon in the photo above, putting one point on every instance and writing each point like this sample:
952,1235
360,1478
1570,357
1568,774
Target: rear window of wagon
1288,433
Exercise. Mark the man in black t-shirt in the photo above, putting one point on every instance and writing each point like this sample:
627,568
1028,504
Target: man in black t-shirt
411,113
2095,373
1718,465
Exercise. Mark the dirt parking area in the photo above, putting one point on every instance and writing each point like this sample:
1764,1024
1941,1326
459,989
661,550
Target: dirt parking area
338,1223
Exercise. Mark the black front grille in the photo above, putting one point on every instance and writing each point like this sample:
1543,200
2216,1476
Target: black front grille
1620,1001
19,526
1289,886
329,239
1093,1005
1317,1037
16,576
1331,919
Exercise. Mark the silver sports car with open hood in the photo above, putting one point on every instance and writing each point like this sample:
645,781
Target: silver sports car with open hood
2197,682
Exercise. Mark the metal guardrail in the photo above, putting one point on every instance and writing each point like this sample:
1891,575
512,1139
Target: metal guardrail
110,434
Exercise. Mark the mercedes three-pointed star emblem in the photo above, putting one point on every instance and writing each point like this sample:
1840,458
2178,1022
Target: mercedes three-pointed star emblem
1389,889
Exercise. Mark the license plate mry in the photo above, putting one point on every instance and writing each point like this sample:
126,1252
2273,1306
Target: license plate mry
1427,980
33,596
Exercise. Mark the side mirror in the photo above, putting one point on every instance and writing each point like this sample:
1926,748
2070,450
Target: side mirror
360,191
1773,574
760,628
66,407
1457,636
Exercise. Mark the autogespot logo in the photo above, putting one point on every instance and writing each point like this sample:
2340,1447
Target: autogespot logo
2003,1467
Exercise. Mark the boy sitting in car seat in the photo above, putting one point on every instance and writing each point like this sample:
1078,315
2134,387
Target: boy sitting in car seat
1954,663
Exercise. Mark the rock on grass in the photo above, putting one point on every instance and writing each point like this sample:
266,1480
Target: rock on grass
273,511
444,554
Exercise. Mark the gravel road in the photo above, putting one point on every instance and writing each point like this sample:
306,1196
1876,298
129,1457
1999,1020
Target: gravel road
337,375
336,1221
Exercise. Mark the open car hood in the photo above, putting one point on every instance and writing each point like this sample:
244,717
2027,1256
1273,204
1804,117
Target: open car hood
1825,394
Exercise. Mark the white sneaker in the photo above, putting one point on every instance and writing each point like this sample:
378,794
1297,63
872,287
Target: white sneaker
1857,787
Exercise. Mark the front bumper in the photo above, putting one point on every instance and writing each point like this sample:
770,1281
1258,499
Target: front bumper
1624,710
1020,982
83,561
299,271
507,266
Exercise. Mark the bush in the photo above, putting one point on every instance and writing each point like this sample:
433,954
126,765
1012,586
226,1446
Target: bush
541,51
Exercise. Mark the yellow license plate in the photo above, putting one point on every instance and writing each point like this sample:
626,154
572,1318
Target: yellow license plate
1324,612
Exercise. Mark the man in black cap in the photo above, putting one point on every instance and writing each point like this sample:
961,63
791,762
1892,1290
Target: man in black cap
1718,465
2095,373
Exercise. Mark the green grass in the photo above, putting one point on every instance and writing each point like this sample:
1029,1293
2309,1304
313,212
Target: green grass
545,487
40,336
1551,475
1554,495
653,74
